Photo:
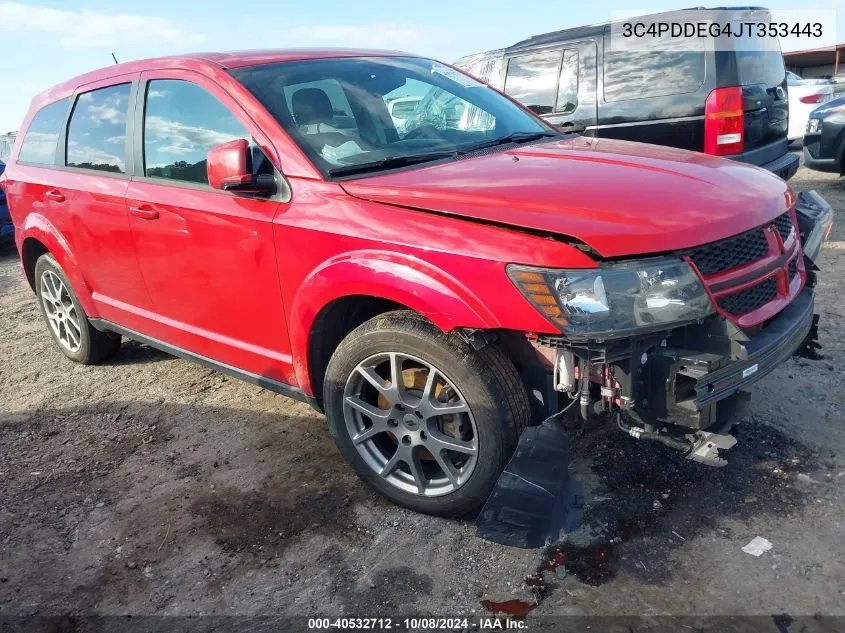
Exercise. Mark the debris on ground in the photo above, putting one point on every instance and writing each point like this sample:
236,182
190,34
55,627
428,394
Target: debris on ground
757,546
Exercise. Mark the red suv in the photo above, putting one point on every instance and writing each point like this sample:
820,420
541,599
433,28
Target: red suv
435,282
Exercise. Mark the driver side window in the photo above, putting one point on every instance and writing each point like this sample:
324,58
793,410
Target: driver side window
181,123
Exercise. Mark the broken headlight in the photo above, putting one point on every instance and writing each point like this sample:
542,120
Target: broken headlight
616,299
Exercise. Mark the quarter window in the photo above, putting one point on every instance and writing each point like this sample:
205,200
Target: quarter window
39,144
567,89
181,123
532,80
96,136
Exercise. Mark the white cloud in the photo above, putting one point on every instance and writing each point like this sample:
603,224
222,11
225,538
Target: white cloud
39,147
86,28
376,35
181,138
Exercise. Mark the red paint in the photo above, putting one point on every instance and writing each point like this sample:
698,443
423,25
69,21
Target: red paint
514,608
621,198
241,280
228,164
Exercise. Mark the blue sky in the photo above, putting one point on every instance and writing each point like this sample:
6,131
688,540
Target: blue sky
47,42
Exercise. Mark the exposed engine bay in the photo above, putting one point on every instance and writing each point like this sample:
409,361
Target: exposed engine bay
681,386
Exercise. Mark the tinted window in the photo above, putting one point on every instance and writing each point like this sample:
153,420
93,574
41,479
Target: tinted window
96,135
487,69
670,67
532,80
181,123
39,144
567,89
758,59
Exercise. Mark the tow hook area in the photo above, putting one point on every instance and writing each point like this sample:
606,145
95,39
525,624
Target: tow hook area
698,446
706,446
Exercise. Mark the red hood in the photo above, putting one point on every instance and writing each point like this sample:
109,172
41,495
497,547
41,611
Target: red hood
621,198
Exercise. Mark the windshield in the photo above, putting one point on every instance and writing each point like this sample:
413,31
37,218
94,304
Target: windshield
374,113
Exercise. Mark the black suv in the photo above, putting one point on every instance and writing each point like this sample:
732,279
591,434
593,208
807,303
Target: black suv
719,96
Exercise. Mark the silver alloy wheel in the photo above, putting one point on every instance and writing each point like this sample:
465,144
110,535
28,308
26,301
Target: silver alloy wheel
60,311
420,438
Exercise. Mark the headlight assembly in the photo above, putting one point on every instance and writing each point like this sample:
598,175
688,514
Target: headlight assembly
617,299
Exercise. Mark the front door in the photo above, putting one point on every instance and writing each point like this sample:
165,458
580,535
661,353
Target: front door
207,256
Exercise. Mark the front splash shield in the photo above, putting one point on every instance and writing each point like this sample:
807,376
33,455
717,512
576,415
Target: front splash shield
535,501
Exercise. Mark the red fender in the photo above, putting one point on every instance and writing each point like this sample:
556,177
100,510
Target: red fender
404,279
39,228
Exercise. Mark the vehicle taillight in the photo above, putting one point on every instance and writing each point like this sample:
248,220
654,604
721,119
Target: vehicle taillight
812,98
724,122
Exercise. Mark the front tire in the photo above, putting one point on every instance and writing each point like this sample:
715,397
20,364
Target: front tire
425,420
66,320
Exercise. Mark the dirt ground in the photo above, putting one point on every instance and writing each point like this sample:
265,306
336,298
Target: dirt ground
149,485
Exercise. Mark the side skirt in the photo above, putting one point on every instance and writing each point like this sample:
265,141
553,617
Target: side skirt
267,383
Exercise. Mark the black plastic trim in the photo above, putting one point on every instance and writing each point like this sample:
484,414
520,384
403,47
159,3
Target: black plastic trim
262,381
768,349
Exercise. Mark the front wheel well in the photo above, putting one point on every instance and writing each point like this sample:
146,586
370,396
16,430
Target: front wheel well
333,323
31,250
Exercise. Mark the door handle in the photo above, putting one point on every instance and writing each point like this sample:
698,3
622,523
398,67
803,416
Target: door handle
144,212
55,195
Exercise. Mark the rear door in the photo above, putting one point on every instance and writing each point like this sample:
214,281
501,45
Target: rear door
88,194
559,84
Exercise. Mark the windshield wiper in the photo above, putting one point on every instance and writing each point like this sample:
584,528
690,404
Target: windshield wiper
513,137
390,162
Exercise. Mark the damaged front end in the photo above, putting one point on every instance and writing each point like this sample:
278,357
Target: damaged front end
670,370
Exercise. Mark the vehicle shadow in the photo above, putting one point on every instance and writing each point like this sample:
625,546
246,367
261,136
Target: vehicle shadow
132,353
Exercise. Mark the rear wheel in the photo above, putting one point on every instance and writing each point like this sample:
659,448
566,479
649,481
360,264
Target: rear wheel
66,319
421,417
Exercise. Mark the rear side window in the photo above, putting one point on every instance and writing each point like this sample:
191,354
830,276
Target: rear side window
181,123
670,67
759,60
96,135
567,89
39,143
532,80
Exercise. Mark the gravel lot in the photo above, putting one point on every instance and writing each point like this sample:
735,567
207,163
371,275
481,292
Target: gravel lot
149,485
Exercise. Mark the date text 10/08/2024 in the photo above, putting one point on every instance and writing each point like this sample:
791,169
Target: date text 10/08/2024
487,623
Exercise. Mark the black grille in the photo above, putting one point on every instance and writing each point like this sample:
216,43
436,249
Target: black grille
793,268
736,251
750,299
784,226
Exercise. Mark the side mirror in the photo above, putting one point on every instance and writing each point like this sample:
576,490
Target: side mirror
229,167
